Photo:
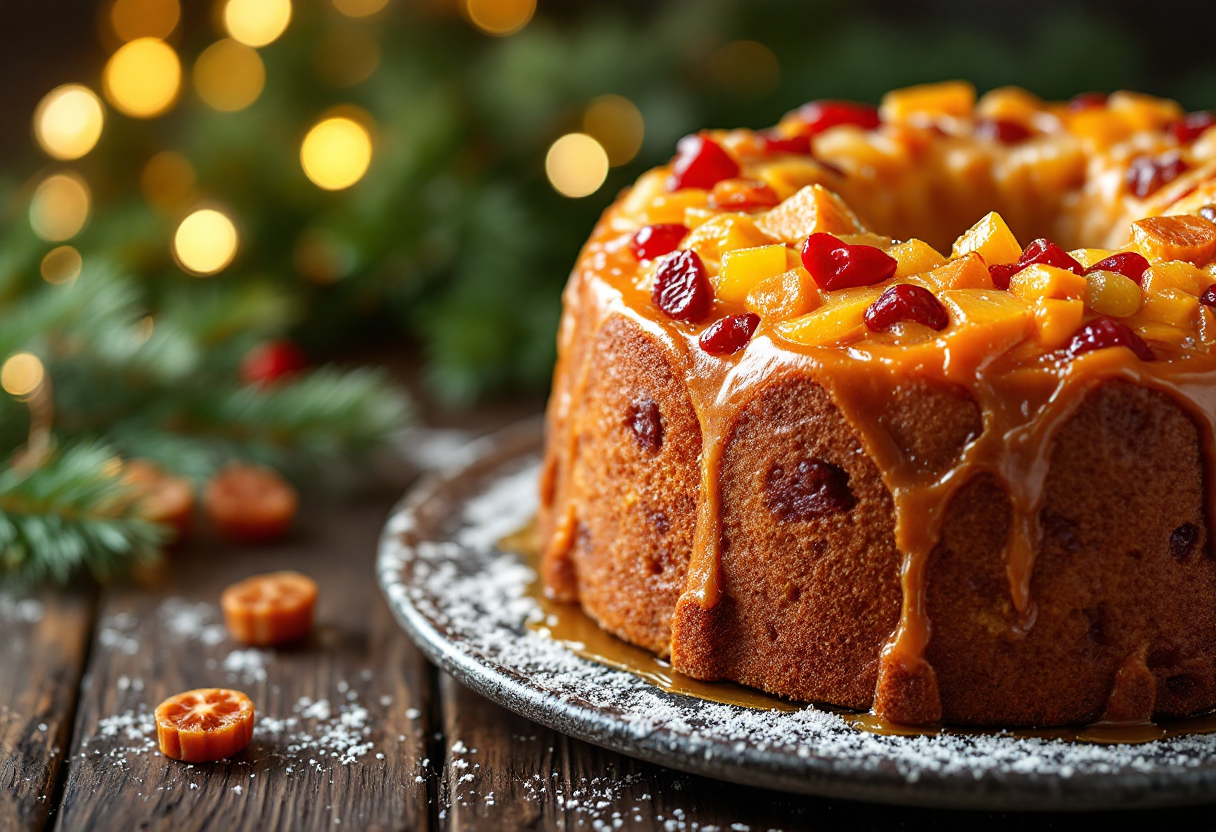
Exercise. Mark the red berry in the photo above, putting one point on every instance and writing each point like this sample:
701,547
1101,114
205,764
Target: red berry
1000,130
1208,298
905,302
700,163
644,420
1192,126
1127,263
1087,101
1103,333
652,241
1040,251
730,334
681,287
833,264
272,361
820,115
1147,174
775,144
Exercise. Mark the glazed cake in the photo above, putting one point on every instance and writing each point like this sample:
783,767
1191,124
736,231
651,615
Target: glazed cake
826,421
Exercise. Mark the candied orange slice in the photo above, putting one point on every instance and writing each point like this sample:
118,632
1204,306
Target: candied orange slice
202,725
270,609
160,496
249,502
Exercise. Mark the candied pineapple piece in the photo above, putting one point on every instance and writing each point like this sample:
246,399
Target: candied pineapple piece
1177,274
1042,281
1183,237
966,272
1056,320
792,174
813,209
1010,104
1144,112
743,268
1153,331
991,239
985,321
724,233
784,296
1099,126
949,98
843,318
915,257
1170,306
1090,256
1112,294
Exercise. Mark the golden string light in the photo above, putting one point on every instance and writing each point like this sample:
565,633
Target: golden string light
337,151
256,22
499,17
576,165
24,377
133,19
60,206
61,265
229,76
68,121
616,123
142,78
359,8
21,374
167,180
205,242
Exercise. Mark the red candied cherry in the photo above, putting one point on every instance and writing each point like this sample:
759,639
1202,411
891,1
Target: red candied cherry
1208,212
833,264
1087,101
820,115
700,163
1041,251
653,241
1127,263
1103,333
812,489
1001,130
730,334
1208,298
681,287
1192,126
1148,174
775,144
906,302
272,361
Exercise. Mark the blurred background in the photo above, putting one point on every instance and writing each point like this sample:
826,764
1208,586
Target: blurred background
413,178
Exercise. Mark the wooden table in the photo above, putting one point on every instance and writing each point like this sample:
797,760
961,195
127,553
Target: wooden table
363,732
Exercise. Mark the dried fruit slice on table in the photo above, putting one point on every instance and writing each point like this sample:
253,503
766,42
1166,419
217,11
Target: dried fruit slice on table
265,610
203,725
160,496
250,502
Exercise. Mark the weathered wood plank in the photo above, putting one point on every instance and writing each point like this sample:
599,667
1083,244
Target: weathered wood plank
43,643
343,720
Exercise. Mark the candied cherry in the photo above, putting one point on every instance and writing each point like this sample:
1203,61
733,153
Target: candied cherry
249,502
645,422
1041,251
730,334
1002,130
1127,263
681,287
834,264
906,302
1101,333
774,143
653,241
271,361
1208,298
742,195
820,115
271,609
1148,174
200,726
1192,126
1087,101
700,163
813,488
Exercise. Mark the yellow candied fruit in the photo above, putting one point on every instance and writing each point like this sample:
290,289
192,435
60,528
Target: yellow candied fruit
1176,274
966,272
949,98
784,296
791,174
813,209
725,232
1112,294
1056,320
915,257
1042,281
1170,306
1090,256
1144,112
743,268
672,207
1009,103
991,239
832,323
1099,126
1183,237
1166,333
986,321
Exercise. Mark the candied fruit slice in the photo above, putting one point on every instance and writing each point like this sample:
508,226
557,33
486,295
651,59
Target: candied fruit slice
949,98
249,502
991,239
1087,101
1177,274
1002,130
742,269
1192,126
818,116
775,144
832,323
784,296
836,265
725,233
1183,237
1111,294
700,163
652,241
811,210
742,195
1171,306
811,489
645,422
681,287
160,496
730,334
1104,333
915,257
270,609
966,272
905,302
1056,320
1148,174
1040,251
1041,281
200,726
985,321
1127,263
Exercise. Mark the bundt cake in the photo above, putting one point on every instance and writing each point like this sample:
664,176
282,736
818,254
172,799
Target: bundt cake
794,444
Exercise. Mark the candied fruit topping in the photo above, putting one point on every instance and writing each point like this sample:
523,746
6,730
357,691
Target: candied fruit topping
730,334
681,287
1041,251
905,302
1208,298
812,489
1192,126
818,116
653,241
834,264
1127,263
1148,174
742,195
1087,101
775,144
644,421
1002,130
700,163
1103,333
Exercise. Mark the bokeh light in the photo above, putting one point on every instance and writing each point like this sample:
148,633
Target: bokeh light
142,78
134,19
359,8
745,68
336,153
59,208
167,180
256,22
499,17
205,242
576,165
61,265
229,76
616,123
22,374
346,57
68,121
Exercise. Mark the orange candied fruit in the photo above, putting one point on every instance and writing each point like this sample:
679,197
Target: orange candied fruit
203,725
160,496
270,609
247,502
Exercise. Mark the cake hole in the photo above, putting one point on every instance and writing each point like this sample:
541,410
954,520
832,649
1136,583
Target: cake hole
1063,530
658,519
1183,540
792,593
809,490
1182,686
771,632
646,423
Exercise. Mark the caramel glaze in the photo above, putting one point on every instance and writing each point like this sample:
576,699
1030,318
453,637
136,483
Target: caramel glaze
1024,402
